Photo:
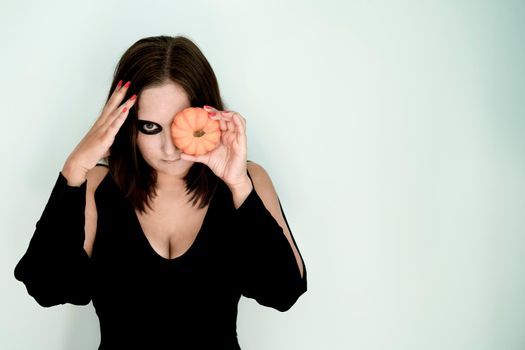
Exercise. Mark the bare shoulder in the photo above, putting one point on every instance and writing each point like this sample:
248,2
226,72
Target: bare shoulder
264,187
259,175
95,177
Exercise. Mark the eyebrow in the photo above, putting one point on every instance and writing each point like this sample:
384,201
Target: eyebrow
146,120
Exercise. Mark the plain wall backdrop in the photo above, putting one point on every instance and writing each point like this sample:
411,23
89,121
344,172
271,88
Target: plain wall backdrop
394,133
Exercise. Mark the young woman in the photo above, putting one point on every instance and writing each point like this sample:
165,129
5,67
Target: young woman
162,242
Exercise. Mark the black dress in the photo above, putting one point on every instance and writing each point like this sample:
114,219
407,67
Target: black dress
144,300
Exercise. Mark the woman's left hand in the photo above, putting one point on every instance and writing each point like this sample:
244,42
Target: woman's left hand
228,159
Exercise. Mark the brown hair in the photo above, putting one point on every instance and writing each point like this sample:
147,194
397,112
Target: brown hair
151,62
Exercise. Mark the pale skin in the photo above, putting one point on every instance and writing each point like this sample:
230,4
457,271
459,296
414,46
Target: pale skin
169,234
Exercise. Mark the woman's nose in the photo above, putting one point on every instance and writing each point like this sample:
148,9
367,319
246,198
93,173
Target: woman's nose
168,146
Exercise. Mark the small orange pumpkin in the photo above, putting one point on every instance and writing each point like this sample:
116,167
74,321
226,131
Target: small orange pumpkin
194,133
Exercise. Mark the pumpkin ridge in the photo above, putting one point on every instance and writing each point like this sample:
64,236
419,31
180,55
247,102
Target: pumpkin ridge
208,143
194,119
185,123
193,132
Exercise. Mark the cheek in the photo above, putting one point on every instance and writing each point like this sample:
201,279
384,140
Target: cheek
147,144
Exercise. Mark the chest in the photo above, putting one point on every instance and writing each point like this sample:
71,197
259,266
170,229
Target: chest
171,227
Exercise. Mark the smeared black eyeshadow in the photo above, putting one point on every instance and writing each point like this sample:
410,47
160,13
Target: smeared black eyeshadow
142,127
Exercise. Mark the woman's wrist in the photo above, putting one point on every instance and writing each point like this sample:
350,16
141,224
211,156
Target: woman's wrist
241,191
74,175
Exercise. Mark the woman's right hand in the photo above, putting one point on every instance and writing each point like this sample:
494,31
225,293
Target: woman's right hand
95,145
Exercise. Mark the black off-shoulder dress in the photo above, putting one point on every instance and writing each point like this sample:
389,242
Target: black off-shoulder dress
145,301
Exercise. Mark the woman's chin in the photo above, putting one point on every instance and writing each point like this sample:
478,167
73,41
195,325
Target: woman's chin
174,167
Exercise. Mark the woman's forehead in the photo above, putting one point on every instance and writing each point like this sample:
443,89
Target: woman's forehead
160,103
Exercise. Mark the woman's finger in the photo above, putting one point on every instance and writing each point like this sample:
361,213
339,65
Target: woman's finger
228,115
226,119
116,99
209,108
225,115
117,88
241,127
124,109
216,116
241,122
115,125
231,125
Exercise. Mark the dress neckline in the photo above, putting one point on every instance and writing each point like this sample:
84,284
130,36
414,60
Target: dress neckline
143,237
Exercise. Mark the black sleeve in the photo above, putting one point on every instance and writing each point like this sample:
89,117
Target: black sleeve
55,268
268,269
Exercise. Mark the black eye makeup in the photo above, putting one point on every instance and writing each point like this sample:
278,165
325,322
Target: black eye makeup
148,128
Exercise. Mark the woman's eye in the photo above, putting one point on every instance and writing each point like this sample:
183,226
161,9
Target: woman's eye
149,128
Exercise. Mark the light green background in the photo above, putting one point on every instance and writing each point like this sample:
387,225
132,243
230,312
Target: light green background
394,132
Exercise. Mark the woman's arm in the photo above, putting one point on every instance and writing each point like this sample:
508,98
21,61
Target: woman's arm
271,266
266,191
55,267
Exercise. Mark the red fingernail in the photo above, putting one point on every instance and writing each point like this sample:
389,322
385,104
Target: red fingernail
124,109
133,98
127,84
119,84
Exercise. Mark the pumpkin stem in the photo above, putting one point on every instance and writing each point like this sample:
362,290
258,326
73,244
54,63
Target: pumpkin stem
198,133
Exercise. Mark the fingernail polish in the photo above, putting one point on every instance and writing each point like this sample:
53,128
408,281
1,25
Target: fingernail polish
127,84
124,109
119,84
133,98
